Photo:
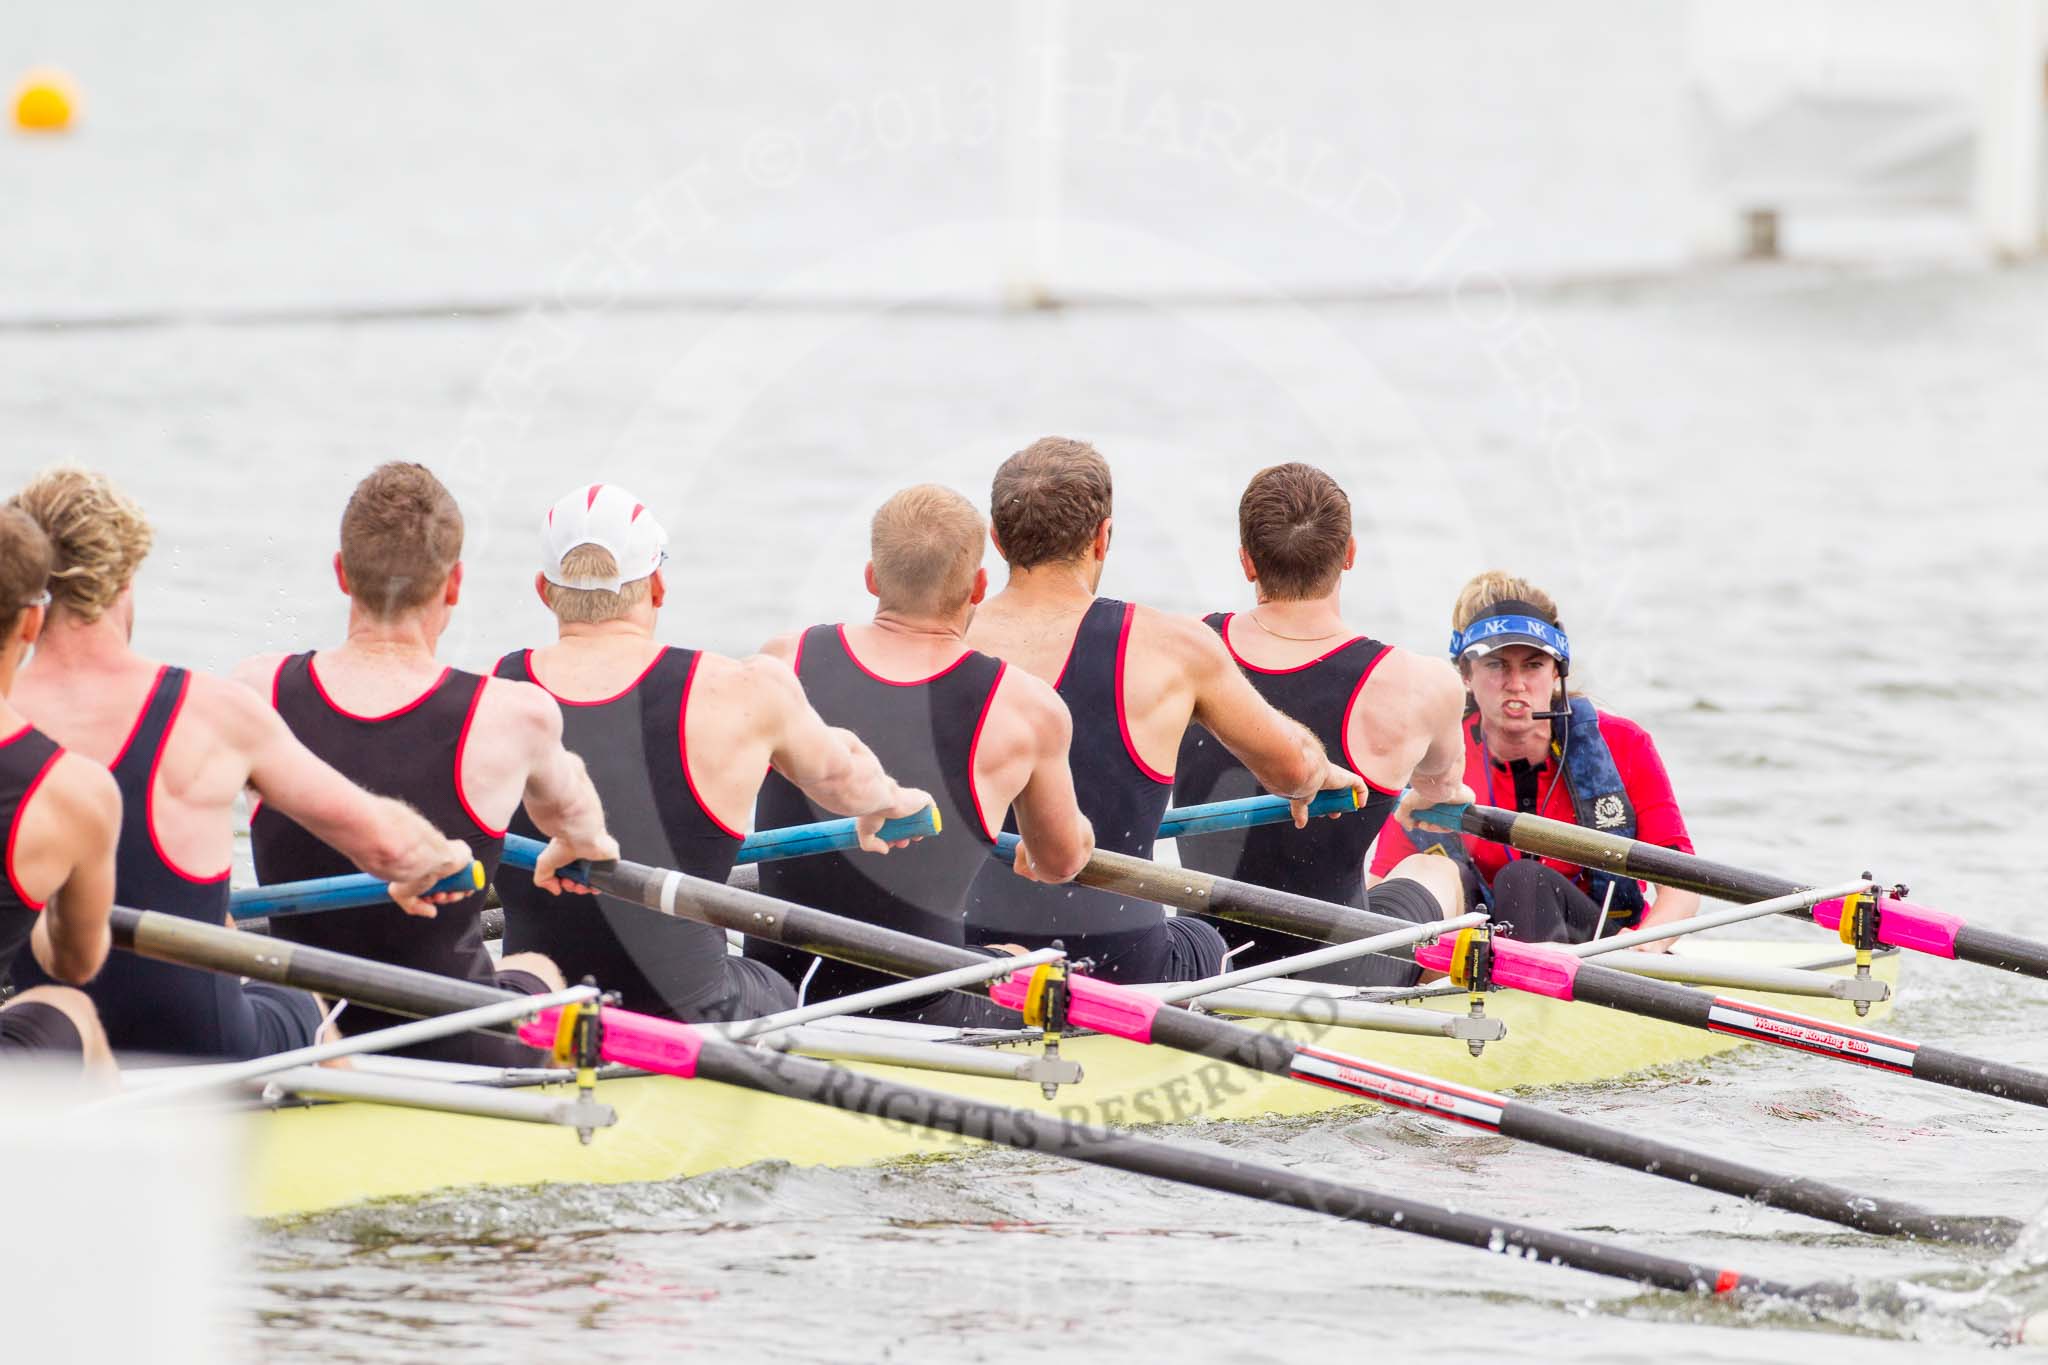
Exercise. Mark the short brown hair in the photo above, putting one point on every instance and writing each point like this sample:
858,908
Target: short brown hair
1047,500
25,558
590,606
98,537
924,545
1294,522
401,534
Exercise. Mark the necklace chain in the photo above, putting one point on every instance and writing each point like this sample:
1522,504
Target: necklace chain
1253,617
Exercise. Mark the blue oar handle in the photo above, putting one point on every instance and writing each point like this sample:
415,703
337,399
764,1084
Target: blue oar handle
335,893
1214,816
832,836
1252,810
1448,815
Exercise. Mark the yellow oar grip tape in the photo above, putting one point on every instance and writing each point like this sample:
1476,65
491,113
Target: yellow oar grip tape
938,821
1461,956
476,875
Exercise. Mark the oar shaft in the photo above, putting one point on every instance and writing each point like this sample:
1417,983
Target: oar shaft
887,950
802,1079
1927,932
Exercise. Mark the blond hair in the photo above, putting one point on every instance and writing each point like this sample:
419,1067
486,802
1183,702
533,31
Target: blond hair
924,545
1491,588
1488,590
99,536
592,606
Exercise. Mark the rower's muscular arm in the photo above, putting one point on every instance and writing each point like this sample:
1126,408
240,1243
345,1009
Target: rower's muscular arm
385,838
833,767
1280,752
558,794
81,807
1056,840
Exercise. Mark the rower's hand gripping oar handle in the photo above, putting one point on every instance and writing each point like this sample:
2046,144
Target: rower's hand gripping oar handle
1209,818
795,842
337,893
1215,816
834,836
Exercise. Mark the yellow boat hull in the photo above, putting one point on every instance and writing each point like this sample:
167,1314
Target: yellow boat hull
324,1156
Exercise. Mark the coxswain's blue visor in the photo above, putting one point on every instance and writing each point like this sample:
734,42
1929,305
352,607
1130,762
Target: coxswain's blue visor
1489,633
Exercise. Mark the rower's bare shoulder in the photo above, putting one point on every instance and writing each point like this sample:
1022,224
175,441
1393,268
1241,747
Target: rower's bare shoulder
1031,702
258,672
85,793
784,647
238,713
1423,684
1186,640
762,675
512,711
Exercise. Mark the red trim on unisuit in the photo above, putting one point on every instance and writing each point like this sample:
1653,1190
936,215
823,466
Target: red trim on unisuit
638,678
277,678
156,762
1225,633
341,710
462,743
20,810
140,716
1349,705
965,655
683,746
1123,722
974,751
1072,645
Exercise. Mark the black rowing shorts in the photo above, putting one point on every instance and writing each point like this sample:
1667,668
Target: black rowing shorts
41,1029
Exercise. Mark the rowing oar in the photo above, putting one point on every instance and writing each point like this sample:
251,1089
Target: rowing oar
768,845
1899,922
682,1050
1134,1015
336,893
1541,969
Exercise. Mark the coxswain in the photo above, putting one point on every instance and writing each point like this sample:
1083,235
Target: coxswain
1134,679
460,748
182,747
60,816
1393,715
678,742
1523,730
983,738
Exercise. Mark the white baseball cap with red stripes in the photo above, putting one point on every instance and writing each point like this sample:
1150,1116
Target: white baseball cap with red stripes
605,515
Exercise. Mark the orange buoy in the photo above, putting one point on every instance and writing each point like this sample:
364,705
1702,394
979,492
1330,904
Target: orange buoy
44,103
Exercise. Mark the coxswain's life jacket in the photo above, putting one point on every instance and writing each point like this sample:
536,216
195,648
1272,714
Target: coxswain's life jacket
1599,801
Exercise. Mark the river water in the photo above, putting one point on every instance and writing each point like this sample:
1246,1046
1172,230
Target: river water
1791,513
